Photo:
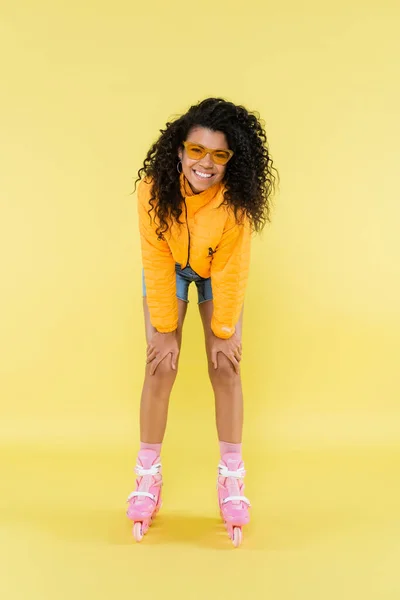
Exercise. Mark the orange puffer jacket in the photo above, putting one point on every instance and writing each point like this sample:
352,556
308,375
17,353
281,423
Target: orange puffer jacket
214,245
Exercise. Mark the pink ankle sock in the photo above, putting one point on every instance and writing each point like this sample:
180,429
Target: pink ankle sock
146,446
225,447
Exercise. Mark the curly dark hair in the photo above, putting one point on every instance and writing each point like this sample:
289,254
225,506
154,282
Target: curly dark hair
249,177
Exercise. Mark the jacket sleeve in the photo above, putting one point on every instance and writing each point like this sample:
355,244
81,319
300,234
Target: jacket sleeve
159,267
229,275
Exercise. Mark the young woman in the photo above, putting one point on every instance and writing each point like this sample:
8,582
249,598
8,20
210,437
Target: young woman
204,187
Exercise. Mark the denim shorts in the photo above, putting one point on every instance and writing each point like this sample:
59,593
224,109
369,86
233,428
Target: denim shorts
184,277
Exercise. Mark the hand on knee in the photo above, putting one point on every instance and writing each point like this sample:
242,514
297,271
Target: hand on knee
225,370
221,350
163,369
163,347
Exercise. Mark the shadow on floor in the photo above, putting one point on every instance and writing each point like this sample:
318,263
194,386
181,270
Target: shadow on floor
113,527
279,533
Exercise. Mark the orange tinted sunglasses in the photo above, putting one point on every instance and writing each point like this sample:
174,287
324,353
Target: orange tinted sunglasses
197,151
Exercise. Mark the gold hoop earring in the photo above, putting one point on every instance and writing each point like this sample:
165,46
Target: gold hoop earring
177,167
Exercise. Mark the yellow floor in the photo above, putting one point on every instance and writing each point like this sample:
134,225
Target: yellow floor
325,525
87,87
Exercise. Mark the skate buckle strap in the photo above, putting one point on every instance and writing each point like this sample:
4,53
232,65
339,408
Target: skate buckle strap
144,494
241,498
225,472
154,470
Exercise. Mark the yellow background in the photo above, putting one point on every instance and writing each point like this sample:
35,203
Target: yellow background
85,88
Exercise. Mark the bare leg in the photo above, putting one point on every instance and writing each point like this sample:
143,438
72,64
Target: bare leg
226,384
157,388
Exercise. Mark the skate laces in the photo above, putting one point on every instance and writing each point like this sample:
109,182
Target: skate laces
154,470
147,480
225,472
232,486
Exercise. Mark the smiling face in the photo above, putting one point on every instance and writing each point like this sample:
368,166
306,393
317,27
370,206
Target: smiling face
203,173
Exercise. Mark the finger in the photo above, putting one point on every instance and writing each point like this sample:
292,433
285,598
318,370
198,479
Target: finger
151,356
236,352
214,359
151,352
154,366
173,360
235,364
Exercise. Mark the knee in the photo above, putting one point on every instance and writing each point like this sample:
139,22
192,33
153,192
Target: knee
225,373
164,371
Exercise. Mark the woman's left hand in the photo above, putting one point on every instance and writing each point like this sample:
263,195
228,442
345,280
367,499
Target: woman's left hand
232,348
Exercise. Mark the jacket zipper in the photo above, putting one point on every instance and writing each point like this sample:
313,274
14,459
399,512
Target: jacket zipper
187,225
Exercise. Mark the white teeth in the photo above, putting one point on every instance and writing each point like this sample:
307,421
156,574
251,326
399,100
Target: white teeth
204,175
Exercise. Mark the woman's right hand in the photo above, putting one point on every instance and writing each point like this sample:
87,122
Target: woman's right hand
160,345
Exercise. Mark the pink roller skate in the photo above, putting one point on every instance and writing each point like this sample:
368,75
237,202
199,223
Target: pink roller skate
234,507
145,501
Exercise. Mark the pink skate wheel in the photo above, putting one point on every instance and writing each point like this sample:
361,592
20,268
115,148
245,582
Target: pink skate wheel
146,526
237,536
137,531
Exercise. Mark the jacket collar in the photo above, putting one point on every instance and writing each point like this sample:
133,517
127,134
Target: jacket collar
203,197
